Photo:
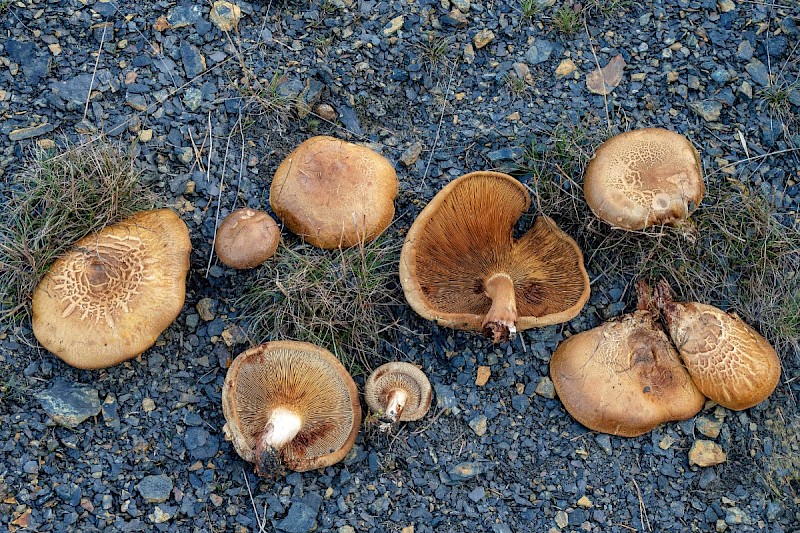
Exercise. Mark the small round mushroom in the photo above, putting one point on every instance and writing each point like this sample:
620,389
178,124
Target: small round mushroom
290,403
333,193
461,266
109,297
247,238
399,391
730,362
624,377
643,178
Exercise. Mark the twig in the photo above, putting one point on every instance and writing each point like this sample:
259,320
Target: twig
262,525
94,73
439,127
642,511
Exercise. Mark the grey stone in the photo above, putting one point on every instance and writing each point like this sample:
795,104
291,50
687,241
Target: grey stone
709,110
745,50
109,409
466,470
69,404
461,5
505,154
520,403
192,98
604,441
445,397
349,119
721,75
30,132
545,388
478,425
539,52
302,515
181,16
193,61
73,91
105,8
758,72
155,489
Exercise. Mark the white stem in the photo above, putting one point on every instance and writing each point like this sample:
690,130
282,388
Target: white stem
397,401
285,424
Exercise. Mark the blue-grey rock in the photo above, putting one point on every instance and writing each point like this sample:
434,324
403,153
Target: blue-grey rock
520,403
501,528
30,132
104,8
181,16
109,410
74,91
477,494
721,75
349,119
193,61
539,52
445,397
604,441
709,110
758,72
69,404
155,489
505,154
302,515
192,98
745,50
775,46
195,437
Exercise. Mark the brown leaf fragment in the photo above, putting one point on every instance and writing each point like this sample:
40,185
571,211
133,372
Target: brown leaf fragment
161,24
604,80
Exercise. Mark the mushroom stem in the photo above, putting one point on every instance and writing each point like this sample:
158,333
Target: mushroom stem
500,322
283,425
396,401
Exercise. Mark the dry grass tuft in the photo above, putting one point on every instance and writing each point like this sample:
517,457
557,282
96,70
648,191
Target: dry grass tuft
343,300
739,253
55,200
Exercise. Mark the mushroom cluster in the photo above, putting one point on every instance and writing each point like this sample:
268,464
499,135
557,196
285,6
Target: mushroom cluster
628,375
461,266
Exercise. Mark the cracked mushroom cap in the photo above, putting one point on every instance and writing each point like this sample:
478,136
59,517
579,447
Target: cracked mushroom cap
109,297
247,238
623,377
290,403
730,362
398,390
643,178
333,193
461,266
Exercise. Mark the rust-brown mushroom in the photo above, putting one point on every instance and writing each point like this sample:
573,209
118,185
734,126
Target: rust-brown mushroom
398,391
730,362
333,193
246,238
624,377
290,403
462,267
109,297
644,177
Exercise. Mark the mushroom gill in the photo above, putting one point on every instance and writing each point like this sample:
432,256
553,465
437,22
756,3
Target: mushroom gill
461,266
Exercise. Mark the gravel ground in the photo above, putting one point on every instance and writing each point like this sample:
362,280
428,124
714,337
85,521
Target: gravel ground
147,452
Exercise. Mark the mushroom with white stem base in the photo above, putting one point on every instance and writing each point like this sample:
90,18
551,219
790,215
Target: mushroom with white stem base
292,404
399,391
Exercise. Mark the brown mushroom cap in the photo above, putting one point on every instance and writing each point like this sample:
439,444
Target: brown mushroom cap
399,390
730,362
461,266
247,238
623,377
111,295
643,178
333,193
290,383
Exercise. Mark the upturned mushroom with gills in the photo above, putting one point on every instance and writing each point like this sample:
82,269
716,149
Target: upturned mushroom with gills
462,267
398,391
292,404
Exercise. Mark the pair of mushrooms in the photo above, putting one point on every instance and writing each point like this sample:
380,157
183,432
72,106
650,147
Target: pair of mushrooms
293,403
628,375
332,193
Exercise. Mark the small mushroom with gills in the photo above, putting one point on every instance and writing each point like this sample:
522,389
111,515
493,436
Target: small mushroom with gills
730,362
109,297
462,267
624,377
399,391
289,403
246,238
643,178
333,193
